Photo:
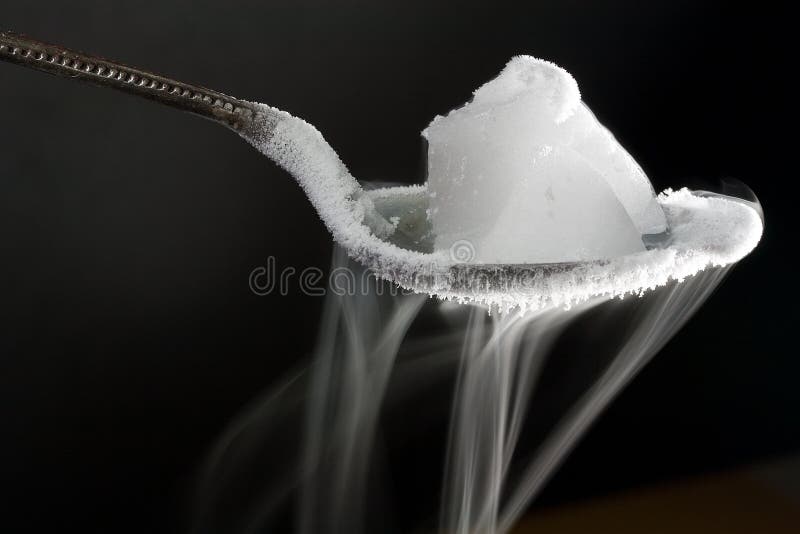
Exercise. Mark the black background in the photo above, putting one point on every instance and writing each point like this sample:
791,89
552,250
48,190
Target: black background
128,334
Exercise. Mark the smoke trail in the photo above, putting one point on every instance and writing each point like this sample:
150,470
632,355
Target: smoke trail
667,312
357,350
495,381
264,459
308,444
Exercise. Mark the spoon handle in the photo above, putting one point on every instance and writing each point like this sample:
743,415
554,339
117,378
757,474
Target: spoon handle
234,113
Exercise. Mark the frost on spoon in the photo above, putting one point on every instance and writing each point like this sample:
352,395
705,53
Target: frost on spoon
526,175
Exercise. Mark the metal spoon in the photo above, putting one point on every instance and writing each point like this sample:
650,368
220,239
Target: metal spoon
53,59
243,117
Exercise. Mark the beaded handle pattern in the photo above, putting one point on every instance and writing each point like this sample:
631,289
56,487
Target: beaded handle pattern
234,113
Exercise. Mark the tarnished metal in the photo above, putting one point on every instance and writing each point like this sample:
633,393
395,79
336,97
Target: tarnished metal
53,59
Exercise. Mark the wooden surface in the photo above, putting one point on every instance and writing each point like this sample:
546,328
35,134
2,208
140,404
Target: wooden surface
765,499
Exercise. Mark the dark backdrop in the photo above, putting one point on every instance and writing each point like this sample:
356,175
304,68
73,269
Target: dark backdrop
128,334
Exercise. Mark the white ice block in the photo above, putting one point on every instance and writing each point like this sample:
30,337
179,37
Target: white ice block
625,177
526,174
